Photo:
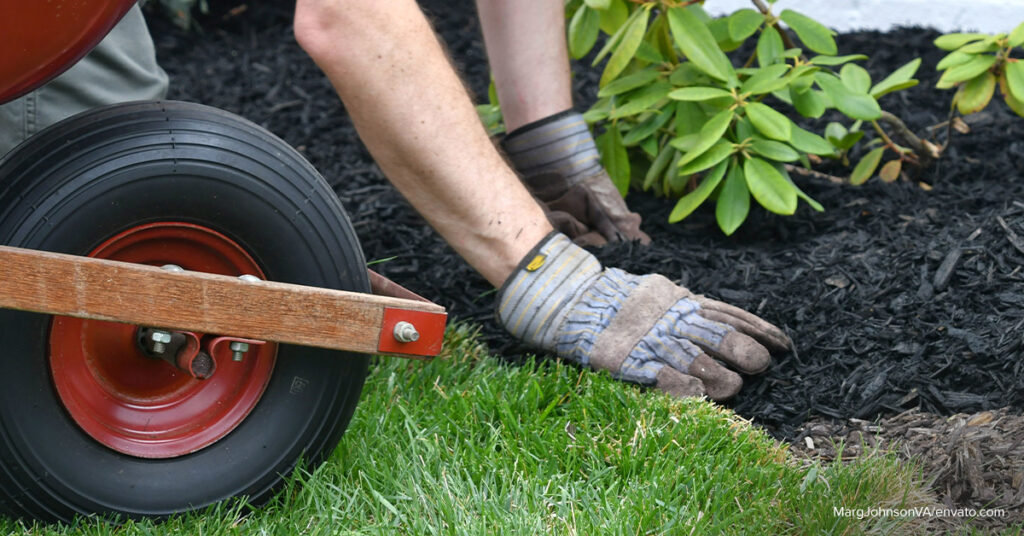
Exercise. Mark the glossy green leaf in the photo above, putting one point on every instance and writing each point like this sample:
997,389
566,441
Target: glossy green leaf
769,122
689,202
647,127
952,60
709,135
616,37
810,142
614,17
1016,37
855,77
899,79
815,36
769,187
687,74
733,201
698,93
855,105
719,29
629,82
1015,79
697,43
954,41
658,166
718,152
981,47
649,53
690,117
623,54
598,4
743,23
775,150
834,133
640,100
583,30
837,60
769,47
685,143
965,71
808,103
799,193
766,80
1015,104
614,158
865,169
649,145
744,129
975,95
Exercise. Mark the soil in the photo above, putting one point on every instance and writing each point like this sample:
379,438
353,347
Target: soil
904,299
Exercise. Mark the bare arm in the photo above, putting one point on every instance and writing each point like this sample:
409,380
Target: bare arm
527,52
414,115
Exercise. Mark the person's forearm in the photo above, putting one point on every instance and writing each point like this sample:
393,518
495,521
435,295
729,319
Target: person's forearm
526,49
414,115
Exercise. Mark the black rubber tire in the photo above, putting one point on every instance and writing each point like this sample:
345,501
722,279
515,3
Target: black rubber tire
96,174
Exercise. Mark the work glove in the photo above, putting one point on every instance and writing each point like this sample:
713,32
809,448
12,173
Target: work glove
642,329
559,164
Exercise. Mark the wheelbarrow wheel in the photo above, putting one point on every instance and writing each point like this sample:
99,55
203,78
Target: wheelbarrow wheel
90,425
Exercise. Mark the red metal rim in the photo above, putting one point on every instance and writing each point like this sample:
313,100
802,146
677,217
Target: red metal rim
142,406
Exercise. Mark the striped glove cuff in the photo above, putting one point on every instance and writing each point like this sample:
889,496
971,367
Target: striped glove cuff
560,145
534,302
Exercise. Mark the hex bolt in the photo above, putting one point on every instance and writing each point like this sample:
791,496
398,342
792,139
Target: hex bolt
406,332
238,350
160,339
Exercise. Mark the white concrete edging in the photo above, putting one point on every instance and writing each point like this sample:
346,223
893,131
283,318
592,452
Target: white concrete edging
990,16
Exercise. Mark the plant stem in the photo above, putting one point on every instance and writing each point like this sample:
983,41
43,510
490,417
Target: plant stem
814,174
925,152
786,40
905,154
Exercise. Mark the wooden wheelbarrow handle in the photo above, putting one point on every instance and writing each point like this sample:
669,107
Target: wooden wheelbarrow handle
84,287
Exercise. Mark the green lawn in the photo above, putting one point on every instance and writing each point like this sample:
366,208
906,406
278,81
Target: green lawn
466,444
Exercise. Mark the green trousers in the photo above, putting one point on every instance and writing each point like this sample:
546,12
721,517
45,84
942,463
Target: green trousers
121,68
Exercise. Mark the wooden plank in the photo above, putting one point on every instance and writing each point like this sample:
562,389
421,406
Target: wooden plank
82,287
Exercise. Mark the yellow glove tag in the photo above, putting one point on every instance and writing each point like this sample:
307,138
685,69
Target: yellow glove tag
536,263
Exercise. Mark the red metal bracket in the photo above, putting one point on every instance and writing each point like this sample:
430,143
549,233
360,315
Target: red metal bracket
429,325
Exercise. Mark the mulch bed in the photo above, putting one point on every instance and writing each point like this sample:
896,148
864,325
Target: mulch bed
899,298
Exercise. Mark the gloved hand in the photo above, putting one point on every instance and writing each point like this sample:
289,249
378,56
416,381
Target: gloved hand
643,329
559,164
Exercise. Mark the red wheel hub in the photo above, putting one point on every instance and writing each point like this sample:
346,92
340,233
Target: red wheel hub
146,407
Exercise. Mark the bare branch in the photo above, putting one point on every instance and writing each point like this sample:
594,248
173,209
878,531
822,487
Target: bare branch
925,151
804,172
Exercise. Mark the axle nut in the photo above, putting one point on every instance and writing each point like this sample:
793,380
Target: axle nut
406,332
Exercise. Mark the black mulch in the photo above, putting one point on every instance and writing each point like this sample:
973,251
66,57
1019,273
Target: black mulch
897,297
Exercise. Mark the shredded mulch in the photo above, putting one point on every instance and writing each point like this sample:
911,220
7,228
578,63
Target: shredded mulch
903,299
973,461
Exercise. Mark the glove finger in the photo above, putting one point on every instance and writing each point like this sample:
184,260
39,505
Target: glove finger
566,224
685,357
742,352
718,338
677,384
593,238
750,324
607,210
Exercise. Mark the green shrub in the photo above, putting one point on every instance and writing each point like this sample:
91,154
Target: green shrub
976,63
680,118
